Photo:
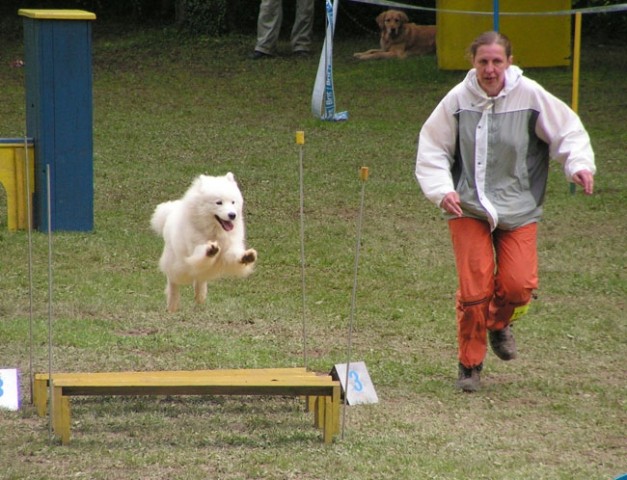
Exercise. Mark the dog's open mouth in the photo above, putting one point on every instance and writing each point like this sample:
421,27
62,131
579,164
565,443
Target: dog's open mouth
226,224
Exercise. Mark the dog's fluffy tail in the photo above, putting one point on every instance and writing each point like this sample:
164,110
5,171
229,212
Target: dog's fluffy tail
157,222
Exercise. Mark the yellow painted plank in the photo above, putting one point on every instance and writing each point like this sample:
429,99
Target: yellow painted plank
144,382
56,14
184,373
200,378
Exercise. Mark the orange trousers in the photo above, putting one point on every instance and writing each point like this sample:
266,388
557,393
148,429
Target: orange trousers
497,273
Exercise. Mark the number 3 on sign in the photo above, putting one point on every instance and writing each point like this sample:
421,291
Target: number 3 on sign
354,376
355,383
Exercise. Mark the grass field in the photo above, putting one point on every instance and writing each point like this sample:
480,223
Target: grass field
167,108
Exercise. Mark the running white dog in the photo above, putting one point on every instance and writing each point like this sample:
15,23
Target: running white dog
204,237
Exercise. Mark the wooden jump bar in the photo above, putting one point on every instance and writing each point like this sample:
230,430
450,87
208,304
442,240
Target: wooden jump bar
322,392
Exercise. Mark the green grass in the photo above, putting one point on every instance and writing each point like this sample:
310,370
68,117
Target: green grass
167,108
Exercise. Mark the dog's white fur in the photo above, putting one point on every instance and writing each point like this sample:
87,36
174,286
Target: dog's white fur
204,237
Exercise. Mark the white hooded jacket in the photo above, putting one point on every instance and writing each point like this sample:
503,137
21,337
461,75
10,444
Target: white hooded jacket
494,151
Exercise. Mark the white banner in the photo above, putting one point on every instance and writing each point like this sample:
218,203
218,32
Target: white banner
323,97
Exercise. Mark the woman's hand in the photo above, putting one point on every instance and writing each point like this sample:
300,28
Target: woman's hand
452,204
585,179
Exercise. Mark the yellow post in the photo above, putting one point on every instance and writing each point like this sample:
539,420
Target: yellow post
576,55
60,416
336,408
329,425
319,413
40,394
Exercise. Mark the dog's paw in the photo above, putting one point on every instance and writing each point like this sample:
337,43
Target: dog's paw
212,249
250,256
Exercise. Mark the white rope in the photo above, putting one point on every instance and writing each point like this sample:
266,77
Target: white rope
606,9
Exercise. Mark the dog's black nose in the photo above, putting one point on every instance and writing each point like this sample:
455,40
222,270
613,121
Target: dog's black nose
232,215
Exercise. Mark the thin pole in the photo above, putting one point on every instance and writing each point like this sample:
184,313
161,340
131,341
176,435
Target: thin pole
363,175
495,18
300,141
30,267
50,395
576,57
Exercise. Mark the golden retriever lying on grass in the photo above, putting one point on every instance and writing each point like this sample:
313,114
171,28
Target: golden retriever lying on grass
399,38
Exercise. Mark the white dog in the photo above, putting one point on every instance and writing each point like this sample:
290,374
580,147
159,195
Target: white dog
204,237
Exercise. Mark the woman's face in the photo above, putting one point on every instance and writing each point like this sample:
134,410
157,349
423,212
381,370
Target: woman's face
490,61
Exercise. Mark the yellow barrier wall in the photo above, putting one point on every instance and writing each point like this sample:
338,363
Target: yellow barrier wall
538,41
13,178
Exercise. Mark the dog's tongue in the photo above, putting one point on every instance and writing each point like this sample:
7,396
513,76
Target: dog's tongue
228,226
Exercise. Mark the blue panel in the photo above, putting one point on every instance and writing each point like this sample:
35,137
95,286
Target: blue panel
73,189
60,119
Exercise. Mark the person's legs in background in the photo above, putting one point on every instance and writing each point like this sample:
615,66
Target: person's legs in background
268,27
303,26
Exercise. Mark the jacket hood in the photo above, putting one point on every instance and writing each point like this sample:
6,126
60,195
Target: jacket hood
513,74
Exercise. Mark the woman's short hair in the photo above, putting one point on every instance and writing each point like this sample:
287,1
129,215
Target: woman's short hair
489,38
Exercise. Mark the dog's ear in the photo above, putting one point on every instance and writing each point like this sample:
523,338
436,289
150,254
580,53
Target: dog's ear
381,19
230,176
404,17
